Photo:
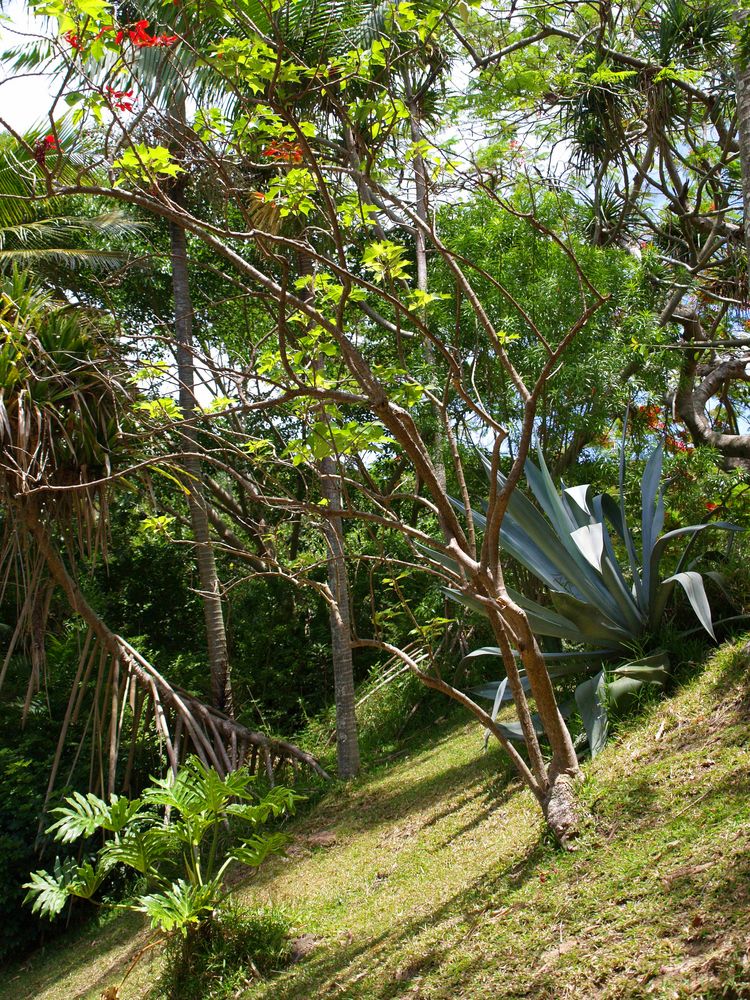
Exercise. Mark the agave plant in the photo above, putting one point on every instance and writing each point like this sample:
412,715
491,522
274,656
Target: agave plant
595,601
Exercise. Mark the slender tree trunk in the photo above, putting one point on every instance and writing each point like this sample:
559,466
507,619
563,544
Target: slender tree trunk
347,740
422,211
221,688
742,85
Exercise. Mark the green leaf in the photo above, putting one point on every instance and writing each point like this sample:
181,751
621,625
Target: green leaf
48,892
180,905
692,583
590,698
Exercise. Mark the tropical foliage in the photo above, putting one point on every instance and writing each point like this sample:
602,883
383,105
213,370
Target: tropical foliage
214,822
279,285
595,600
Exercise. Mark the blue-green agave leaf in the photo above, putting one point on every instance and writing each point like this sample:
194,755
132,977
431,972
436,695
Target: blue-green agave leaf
692,529
692,583
591,700
652,509
589,541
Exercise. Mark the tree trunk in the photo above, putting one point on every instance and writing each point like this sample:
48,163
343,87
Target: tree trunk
422,212
742,86
218,740
347,742
221,688
558,779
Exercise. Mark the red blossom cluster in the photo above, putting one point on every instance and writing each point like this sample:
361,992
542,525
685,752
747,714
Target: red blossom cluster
676,443
289,152
141,38
651,415
120,99
72,38
138,35
46,145
710,506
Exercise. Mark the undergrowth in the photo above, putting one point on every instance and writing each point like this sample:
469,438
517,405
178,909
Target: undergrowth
224,955
430,878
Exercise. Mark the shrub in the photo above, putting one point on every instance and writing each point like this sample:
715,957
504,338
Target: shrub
181,836
597,600
234,946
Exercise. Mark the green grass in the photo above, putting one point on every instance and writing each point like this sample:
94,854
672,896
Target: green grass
433,876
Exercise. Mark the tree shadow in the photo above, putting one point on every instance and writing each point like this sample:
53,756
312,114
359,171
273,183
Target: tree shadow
342,968
115,945
488,779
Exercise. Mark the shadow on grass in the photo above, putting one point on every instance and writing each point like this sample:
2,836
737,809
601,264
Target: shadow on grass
343,969
71,955
711,894
698,897
439,795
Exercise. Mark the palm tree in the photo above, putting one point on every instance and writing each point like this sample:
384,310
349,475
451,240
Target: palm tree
742,94
66,423
311,29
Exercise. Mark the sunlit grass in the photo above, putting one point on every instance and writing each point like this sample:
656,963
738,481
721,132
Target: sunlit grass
433,877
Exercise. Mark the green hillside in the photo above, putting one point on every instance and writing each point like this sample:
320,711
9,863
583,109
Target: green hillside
433,878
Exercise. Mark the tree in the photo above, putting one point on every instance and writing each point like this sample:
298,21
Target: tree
67,418
361,310
644,99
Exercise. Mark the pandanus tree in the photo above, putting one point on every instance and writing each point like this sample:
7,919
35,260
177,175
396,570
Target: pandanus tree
67,426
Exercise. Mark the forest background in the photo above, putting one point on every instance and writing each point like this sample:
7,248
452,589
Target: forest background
293,298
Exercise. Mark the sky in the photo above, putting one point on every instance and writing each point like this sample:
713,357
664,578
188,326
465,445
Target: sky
25,99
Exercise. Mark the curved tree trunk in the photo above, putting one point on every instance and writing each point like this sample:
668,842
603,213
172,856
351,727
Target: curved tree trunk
218,740
221,688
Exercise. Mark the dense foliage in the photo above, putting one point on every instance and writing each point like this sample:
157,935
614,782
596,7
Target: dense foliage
281,285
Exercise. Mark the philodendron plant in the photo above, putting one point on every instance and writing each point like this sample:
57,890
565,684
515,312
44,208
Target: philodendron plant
214,822
596,602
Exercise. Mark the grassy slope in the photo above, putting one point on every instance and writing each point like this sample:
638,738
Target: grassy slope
433,878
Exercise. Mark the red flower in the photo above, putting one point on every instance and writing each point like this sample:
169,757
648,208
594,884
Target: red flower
710,506
79,43
141,38
280,150
673,444
651,415
44,146
117,99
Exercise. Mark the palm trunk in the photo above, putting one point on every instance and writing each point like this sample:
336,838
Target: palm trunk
742,85
422,212
347,741
221,689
